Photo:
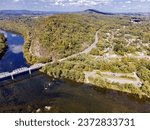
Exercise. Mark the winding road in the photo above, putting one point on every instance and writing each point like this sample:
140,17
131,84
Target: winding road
86,51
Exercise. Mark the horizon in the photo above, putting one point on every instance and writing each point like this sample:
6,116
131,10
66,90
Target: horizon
70,11
111,6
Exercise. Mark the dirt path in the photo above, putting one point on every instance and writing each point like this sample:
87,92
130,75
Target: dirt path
114,56
114,77
89,74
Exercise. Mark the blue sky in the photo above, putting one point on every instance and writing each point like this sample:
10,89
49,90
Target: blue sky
77,5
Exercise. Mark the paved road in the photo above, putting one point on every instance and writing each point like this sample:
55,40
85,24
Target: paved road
86,51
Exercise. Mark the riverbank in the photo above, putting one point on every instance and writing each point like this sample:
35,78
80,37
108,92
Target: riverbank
105,77
80,77
3,45
3,49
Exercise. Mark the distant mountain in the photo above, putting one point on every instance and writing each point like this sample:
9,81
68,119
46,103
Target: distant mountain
40,13
107,13
98,12
25,12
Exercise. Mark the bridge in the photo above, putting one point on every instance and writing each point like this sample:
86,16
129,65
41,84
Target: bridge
38,66
19,71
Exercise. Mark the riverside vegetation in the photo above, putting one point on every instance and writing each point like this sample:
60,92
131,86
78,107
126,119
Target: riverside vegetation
123,47
2,44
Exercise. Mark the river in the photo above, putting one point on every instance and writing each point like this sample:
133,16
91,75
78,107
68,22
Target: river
41,93
13,58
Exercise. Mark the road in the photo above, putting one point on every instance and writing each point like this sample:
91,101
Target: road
86,51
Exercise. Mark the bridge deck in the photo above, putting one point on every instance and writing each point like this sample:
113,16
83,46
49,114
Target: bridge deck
20,71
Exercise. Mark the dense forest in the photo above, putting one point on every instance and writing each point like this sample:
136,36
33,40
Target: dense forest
60,36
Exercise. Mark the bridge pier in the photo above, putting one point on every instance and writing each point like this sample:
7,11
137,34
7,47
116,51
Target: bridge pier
30,72
12,77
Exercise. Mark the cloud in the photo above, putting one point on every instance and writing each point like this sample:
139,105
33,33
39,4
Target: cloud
65,2
77,5
141,0
15,49
14,35
16,0
73,2
128,2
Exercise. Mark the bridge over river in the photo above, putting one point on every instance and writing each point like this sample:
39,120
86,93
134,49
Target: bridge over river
6,75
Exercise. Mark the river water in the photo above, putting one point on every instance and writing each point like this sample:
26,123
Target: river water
13,58
41,93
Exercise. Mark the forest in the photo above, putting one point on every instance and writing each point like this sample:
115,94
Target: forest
60,36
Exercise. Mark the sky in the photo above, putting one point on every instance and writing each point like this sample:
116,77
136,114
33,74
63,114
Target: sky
77,5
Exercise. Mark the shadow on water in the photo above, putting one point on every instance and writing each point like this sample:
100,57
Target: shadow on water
41,93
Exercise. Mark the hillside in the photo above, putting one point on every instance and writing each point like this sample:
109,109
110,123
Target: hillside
60,36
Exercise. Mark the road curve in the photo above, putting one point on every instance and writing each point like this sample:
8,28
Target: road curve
86,51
